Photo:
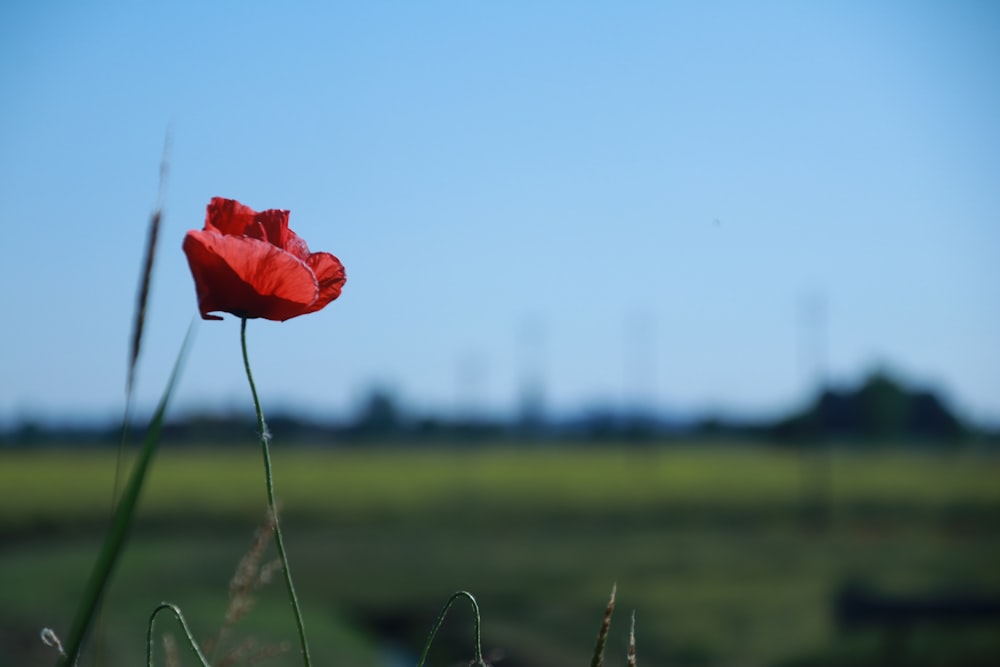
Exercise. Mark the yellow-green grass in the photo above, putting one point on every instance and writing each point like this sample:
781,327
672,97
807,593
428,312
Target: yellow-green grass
62,486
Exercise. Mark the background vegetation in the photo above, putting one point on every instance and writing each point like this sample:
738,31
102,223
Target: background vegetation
729,554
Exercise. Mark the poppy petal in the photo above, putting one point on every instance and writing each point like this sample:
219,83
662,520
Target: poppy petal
228,216
248,277
273,223
330,276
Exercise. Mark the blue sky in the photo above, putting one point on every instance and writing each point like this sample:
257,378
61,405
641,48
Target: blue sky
649,193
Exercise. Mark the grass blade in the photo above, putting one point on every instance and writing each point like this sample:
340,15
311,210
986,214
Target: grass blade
100,576
142,302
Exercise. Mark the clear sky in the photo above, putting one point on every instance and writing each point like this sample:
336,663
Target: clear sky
630,200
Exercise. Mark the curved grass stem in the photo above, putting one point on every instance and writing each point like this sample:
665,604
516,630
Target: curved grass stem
478,661
184,626
265,437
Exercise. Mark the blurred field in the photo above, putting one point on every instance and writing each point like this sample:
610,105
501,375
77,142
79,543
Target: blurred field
726,554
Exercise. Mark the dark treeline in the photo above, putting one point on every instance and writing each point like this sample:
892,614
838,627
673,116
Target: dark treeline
880,409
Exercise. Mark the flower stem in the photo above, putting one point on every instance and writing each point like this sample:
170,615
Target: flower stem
265,437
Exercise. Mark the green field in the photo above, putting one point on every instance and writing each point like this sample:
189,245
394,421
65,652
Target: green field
728,555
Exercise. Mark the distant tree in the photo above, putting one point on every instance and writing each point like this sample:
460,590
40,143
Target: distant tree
883,407
379,417
929,418
880,409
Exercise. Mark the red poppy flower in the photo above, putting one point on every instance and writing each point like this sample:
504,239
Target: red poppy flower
251,264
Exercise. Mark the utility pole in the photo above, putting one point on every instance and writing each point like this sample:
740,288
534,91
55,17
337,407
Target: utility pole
469,377
532,389
817,455
639,371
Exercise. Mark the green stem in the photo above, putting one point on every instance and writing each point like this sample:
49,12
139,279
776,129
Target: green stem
478,661
184,626
279,542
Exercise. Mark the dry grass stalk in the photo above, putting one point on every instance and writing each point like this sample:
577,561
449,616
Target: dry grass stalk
249,575
142,296
171,656
249,653
602,636
631,642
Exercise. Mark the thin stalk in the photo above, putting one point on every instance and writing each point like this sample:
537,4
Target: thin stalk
602,636
478,660
184,626
265,437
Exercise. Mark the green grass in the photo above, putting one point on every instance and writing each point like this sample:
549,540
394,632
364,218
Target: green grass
62,486
711,546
